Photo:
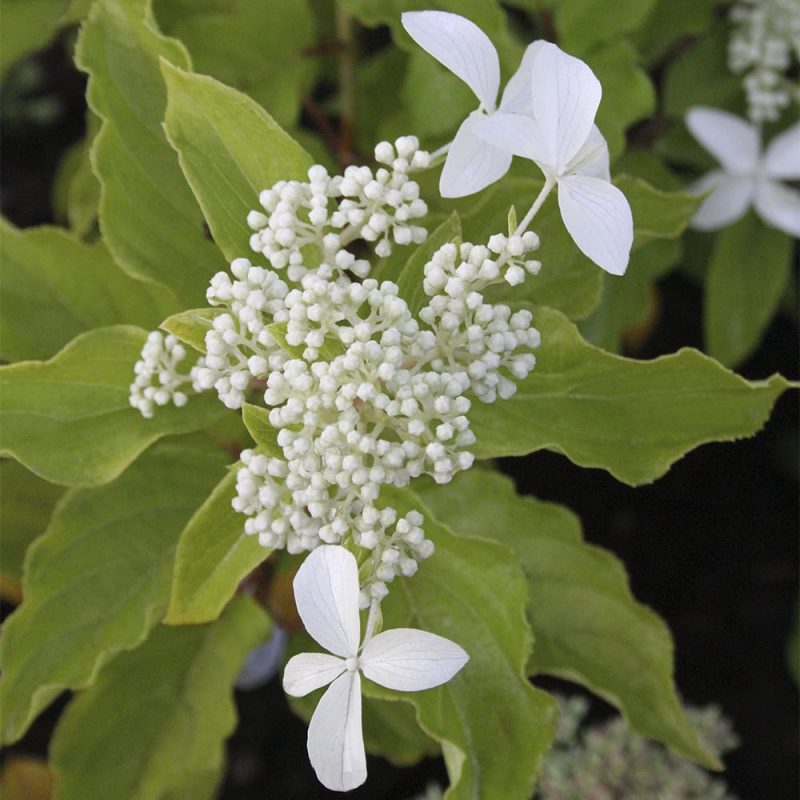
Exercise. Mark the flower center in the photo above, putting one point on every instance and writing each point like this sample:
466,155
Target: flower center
351,664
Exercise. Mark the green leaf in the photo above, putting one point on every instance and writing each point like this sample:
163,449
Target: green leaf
435,100
256,420
700,76
747,275
214,555
154,725
69,420
191,326
568,281
257,48
149,218
26,503
28,25
413,273
669,21
583,24
230,149
657,214
628,92
98,580
587,625
49,274
493,725
631,301
632,418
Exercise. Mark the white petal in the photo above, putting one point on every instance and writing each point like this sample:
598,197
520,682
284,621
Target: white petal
730,197
335,740
782,158
779,206
472,164
592,159
736,144
410,660
598,218
566,95
326,593
309,671
511,133
518,95
461,46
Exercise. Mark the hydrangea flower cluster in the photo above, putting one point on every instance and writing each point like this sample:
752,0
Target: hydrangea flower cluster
764,41
361,392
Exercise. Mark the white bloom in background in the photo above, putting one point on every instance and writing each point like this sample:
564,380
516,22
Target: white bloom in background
461,46
405,659
764,41
749,177
560,136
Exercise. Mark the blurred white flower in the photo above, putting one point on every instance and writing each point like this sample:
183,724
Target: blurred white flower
326,590
558,133
461,46
749,177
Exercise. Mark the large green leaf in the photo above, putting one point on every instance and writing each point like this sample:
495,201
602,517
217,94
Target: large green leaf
492,724
631,301
55,286
632,418
257,48
213,557
98,580
586,623
26,503
230,149
28,25
149,218
69,419
747,275
656,214
154,725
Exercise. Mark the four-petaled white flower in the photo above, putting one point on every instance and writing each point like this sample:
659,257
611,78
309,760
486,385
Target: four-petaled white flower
326,592
558,133
461,46
748,175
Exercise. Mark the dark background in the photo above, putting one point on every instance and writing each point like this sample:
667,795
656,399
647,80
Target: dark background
712,546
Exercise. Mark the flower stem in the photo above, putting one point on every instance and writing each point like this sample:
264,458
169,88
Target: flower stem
372,621
537,204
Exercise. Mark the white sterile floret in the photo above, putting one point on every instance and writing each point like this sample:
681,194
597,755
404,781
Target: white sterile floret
556,130
748,175
764,42
158,381
326,591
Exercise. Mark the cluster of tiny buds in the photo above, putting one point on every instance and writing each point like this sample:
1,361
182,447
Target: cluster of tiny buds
766,33
330,212
362,394
158,380
487,338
